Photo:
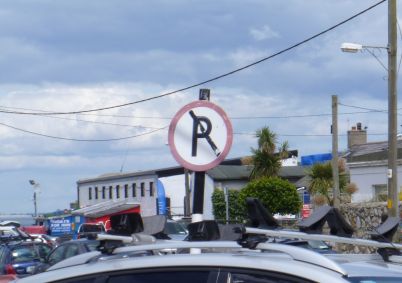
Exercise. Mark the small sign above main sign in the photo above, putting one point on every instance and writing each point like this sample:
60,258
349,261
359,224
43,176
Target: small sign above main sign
200,135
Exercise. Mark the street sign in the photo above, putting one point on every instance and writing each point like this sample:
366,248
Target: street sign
200,135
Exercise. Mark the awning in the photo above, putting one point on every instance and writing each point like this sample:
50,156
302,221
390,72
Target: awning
105,208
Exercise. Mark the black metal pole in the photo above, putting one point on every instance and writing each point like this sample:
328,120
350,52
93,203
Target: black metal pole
198,201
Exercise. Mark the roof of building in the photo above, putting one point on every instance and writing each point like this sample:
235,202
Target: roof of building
233,172
229,169
371,151
106,208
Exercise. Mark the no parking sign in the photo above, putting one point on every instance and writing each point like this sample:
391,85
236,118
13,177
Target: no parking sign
200,135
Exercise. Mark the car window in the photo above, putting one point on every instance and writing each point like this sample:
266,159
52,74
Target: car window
259,277
92,228
92,245
174,228
72,250
8,233
372,279
57,255
23,253
43,251
193,276
2,253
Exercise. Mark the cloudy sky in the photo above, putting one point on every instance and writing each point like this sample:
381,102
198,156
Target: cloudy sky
68,56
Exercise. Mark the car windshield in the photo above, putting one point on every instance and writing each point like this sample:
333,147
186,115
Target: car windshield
175,228
23,253
92,228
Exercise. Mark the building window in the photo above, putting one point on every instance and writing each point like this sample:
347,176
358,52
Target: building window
143,189
151,189
380,192
118,191
125,191
90,193
103,192
134,189
110,192
96,193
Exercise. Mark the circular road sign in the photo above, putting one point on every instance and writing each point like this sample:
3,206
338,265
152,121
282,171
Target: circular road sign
200,135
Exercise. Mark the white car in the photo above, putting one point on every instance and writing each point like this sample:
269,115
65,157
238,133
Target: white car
268,263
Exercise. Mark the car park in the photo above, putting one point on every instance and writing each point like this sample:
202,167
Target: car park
204,257
22,258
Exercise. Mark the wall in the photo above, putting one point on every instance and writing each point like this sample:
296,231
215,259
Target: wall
148,204
367,174
363,217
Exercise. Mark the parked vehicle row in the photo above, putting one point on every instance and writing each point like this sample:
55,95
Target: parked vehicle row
145,252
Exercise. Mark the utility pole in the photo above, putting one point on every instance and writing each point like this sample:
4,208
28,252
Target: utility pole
393,200
335,169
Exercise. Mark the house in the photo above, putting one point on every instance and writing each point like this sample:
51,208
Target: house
368,165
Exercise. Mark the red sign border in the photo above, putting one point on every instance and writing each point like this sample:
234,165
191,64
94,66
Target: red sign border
172,128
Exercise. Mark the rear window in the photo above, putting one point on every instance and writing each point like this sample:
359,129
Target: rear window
92,228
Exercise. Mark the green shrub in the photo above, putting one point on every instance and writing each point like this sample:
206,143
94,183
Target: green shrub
277,195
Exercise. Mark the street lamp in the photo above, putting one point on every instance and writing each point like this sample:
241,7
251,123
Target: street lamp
36,190
392,173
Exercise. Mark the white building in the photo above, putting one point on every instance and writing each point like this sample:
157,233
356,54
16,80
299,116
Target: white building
368,166
140,187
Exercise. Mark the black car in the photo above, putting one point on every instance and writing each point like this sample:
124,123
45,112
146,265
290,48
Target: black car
87,230
67,249
22,258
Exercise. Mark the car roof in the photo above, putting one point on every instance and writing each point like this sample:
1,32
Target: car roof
255,261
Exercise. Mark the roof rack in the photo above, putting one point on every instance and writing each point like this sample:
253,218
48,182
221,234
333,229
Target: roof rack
321,237
295,253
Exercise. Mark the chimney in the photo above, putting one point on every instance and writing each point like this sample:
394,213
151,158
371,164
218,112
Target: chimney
357,135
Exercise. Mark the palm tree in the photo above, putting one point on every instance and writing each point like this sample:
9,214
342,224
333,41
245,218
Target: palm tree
321,180
264,159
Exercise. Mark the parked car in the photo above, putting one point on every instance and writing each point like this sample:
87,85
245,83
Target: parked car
21,258
44,238
216,261
88,229
66,250
9,233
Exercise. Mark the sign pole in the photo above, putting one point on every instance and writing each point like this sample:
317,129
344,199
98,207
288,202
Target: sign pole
199,177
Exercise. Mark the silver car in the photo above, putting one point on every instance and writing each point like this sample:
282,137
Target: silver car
216,261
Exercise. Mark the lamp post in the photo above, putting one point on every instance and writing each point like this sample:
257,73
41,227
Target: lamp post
36,190
392,173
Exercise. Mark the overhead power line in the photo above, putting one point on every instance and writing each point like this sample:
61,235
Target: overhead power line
82,140
211,79
170,118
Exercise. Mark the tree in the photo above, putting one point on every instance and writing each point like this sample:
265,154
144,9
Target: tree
277,195
264,159
321,182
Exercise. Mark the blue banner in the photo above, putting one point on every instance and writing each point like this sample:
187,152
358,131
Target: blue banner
161,198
